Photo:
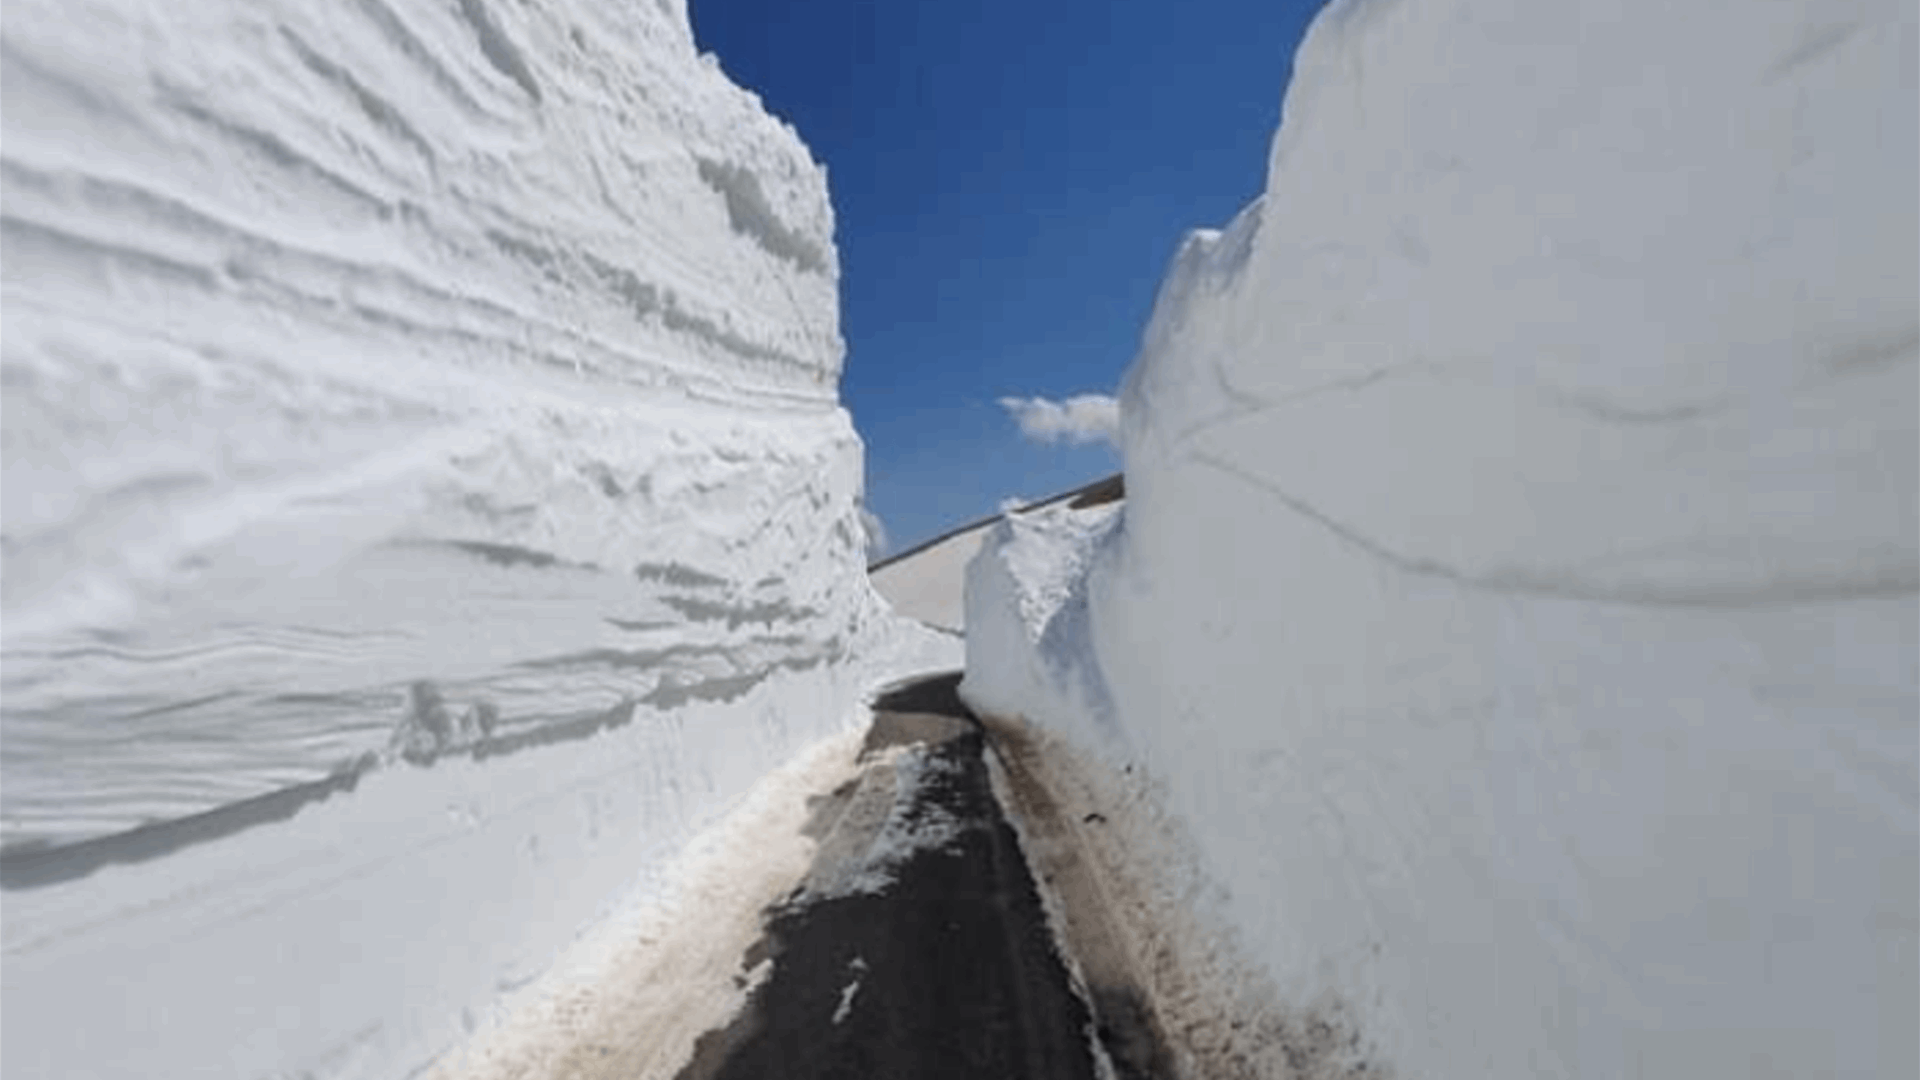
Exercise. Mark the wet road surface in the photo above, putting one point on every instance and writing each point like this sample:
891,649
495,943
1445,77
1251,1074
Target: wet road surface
929,963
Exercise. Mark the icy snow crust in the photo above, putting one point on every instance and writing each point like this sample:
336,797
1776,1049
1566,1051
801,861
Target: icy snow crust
426,504
1516,594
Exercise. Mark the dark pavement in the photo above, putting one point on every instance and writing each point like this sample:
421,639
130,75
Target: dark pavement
948,972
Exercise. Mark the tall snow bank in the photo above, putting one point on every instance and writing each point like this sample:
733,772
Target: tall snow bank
1516,595
477,345
426,501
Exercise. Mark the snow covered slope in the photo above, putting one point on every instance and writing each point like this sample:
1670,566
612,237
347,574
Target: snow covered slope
426,501
930,585
1516,596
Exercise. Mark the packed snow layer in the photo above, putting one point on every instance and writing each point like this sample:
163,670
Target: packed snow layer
1516,596
1030,650
425,502
390,366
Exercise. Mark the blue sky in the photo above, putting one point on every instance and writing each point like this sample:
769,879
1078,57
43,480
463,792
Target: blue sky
1010,179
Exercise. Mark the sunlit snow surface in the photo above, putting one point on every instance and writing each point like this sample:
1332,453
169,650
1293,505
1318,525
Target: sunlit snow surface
1516,591
426,504
461,347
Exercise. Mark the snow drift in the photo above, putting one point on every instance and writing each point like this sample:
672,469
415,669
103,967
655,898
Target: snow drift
426,501
1516,596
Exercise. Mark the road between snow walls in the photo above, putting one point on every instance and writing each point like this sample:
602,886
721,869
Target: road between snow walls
966,914
917,945
435,635
869,911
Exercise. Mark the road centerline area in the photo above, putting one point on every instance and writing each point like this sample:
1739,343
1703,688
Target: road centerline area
918,945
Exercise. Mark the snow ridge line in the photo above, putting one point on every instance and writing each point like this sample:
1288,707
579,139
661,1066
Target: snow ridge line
1098,487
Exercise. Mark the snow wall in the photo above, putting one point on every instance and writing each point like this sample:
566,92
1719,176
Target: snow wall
426,503
1515,600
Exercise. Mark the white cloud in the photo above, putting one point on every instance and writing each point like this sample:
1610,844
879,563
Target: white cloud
1083,418
876,532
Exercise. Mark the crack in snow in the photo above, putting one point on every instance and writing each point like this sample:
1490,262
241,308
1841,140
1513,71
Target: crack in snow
1891,581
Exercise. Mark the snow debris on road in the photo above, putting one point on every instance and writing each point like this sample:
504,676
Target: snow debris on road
888,820
915,824
845,1008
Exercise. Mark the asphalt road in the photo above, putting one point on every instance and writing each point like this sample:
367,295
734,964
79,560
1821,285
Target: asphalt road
949,972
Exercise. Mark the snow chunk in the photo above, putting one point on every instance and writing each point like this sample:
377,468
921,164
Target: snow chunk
845,1008
1029,639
